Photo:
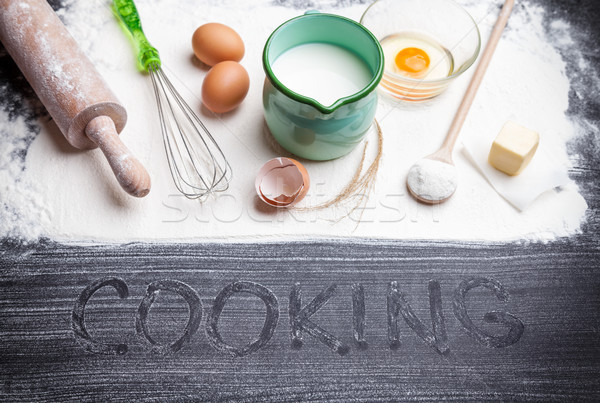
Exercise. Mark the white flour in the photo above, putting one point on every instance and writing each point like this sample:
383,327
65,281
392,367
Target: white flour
69,195
432,180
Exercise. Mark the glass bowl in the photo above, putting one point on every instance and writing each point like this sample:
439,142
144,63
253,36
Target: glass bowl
426,43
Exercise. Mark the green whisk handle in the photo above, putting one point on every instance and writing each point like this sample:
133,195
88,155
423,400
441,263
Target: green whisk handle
128,15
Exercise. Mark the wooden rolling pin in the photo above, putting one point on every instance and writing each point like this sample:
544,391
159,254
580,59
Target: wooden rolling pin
83,107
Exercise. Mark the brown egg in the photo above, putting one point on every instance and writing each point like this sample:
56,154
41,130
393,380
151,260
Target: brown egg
282,182
225,86
214,43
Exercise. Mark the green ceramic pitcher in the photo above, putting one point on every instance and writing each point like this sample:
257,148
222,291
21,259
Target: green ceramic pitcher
302,125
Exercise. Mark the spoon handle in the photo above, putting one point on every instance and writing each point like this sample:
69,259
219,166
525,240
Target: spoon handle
467,101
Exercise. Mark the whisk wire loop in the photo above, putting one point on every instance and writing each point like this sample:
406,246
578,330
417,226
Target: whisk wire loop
196,162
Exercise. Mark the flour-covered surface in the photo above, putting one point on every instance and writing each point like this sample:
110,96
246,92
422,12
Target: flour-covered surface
379,320
540,71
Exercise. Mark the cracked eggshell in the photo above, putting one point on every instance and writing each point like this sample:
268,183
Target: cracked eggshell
282,182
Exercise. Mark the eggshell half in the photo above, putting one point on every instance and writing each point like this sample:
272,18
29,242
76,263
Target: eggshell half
282,182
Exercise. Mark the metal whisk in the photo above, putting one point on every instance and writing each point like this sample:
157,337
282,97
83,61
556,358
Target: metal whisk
197,163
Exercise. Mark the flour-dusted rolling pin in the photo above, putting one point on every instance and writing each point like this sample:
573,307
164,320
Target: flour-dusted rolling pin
84,108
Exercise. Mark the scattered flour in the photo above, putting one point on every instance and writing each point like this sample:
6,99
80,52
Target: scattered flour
21,210
71,196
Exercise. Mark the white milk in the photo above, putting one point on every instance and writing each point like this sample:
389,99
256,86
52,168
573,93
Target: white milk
322,71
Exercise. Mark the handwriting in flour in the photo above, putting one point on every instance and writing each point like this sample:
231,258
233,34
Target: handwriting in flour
300,314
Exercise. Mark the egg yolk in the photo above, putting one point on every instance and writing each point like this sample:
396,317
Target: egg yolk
412,60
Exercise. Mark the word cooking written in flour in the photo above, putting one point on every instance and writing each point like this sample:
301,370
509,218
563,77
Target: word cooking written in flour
300,317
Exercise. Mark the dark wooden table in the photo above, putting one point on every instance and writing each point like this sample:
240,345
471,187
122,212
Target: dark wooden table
331,320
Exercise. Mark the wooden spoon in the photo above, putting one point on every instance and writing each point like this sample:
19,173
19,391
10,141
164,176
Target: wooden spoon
434,183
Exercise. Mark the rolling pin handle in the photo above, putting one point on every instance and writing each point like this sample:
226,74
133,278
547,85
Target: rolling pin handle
130,173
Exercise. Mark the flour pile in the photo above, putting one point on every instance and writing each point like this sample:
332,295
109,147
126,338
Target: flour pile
71,196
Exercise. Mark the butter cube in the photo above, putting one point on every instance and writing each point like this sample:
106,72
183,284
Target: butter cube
513,148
